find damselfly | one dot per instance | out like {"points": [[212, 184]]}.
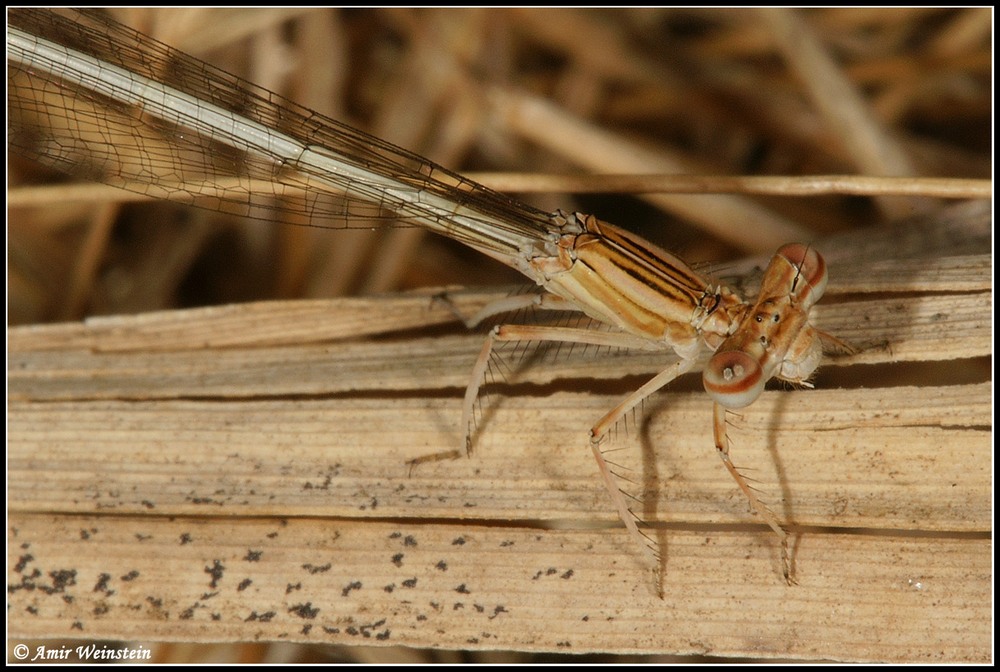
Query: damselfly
{"points": [[93, 97]]}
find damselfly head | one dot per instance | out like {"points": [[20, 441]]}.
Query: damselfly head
{"points": [[773, 337]]}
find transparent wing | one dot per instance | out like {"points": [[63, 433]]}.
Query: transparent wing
{"points": [[94, 98]]}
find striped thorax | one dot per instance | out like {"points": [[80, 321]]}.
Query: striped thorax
{"points": [[620, 279]]}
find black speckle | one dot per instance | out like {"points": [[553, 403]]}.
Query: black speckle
{"points": [[462, 589], [61, 579], [327, 479], [331, 631], [398, 559], [351, 630], [479, 608], [27, 582], [102, 584], [215, 571], [253, 556], [497, 610], [382, 636], [366, 630], [550, 571], [585, 619], [263, 618], [101, 609], [564, 644], [187, 614], [143, 537], [442, 565], [186, 539], [389, 588], [410, 583], [304, 610], [506, 544], [395, 535], [568, 574], [306, 628], [317, 569], [244, 584], [457, 606], [131, 576], [148, 504], [458, 541], [289, 587], [208, 596], [77, 625], [354, 585], [409, 541], [22, 562]]}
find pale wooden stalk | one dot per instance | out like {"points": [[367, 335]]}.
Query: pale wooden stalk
{"points": [[139, 474]]}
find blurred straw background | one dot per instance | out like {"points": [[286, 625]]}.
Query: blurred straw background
{"points": [[504, 93], [903, 92]]}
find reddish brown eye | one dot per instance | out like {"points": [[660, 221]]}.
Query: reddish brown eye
{"points": [[733, 378], [810, 281]]}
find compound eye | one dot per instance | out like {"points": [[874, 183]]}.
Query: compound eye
{"points": [[733, 379], [811, 276]]}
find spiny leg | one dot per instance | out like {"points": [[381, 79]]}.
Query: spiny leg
{"points": [[600, 430], [513, 332], [507, 304], [834, 345], [722, 444], [472, 391]]}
